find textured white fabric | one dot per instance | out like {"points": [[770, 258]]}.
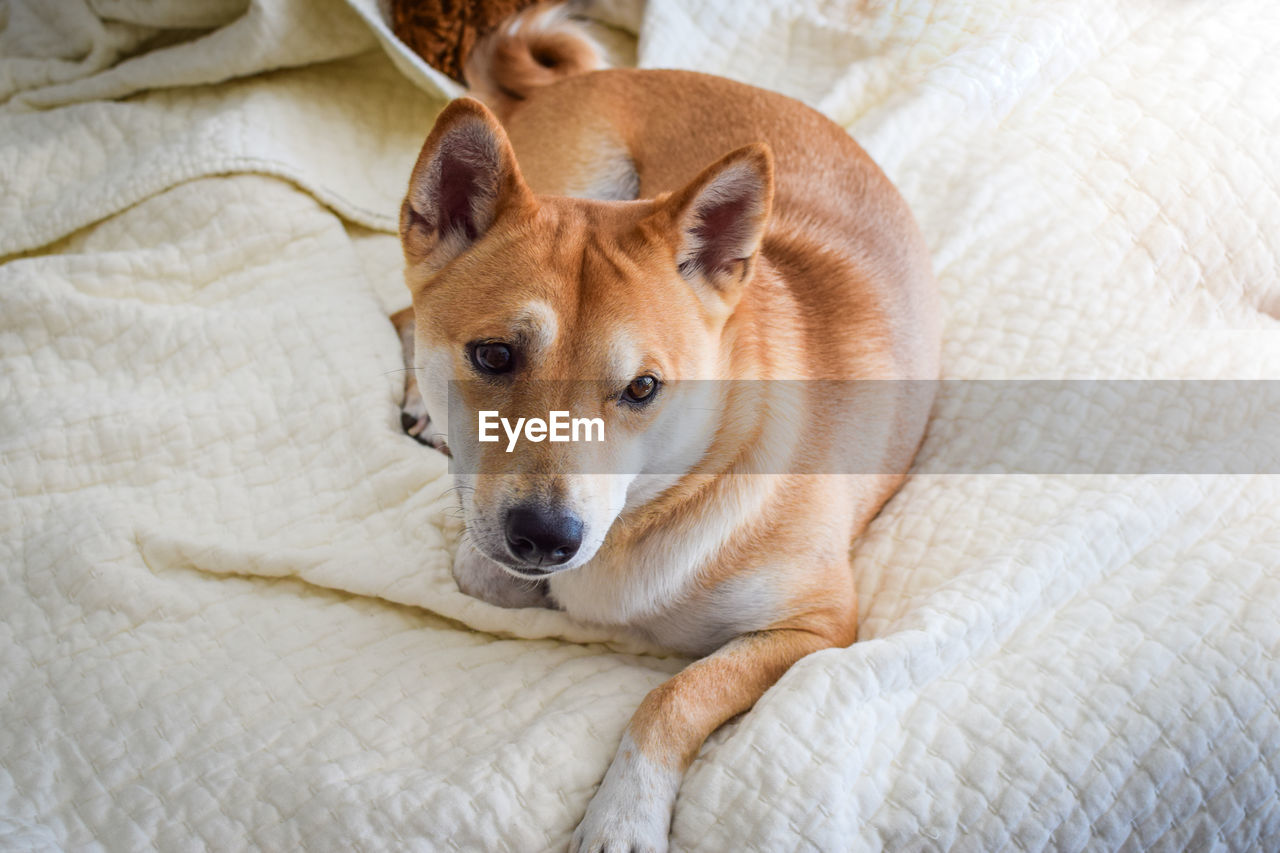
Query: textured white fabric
{"points": [[226, 618]]}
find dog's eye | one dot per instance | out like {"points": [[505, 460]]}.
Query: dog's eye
{"points": [[492, 357], [641, 389]]}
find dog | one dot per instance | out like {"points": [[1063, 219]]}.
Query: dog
{"points": [[629, 245]]}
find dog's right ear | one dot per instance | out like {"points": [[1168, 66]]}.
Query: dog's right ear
{"points": [[719, 221], [466, 178]]}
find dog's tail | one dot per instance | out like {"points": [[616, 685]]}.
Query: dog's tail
{"points": [[535, 48]]}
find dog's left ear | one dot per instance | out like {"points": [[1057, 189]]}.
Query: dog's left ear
{"points": [[466, 179], [720, 219]]}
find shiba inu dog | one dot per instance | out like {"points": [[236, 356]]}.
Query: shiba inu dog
{"points": [[641, 248]]}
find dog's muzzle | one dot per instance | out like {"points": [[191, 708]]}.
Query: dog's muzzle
{"points": [[541, 538]]}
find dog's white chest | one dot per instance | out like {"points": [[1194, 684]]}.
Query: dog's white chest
{"points": [[667, 605]]}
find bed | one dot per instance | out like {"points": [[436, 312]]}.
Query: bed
{"points": [[226, 614]]}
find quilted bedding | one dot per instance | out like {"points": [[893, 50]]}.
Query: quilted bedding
{"points": [[226, 616]]}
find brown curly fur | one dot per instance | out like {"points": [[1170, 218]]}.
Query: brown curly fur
{"points": [[443, 32]]}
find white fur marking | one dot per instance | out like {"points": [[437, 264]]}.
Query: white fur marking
{"points": [[610, 175], [482, 578], [539, 321], [632, 808], [624, 356]]}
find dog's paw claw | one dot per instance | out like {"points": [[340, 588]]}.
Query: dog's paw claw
{"points": [[420, 433], [416, 423]]}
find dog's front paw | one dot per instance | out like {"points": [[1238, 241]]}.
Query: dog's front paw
{"points": [[413, 414], [417, 422], [619, 833], [631, 813], [482, 578]]}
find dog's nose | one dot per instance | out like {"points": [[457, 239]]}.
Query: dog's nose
{"points": [[543, 537]]}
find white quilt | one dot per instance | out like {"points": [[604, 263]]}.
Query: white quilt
{"points": [[226, 615]]}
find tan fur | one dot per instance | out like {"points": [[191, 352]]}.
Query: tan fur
{"points": [[730, 561], [534, 48]]}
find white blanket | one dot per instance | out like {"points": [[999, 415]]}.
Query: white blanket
{"points": [[226, 616]]}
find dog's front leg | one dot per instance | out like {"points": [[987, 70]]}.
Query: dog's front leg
{"points": [[631, 811]]}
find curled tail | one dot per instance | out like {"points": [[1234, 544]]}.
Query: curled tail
{"points": [[535, 48]]}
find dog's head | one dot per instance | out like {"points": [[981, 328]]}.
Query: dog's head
{"points": [[526, 305]]}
